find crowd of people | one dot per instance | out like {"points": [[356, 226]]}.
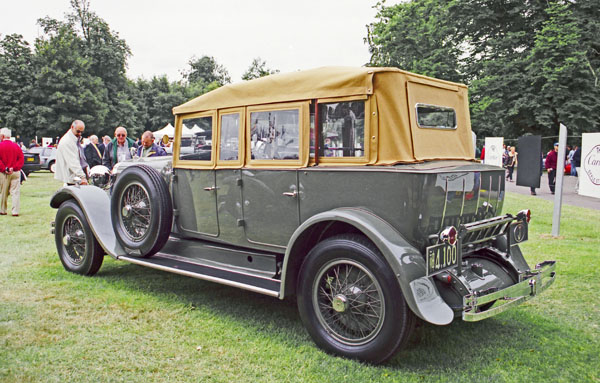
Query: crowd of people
{"points": [[74, 159]]}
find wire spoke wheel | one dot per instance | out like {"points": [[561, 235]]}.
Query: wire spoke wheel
{"points": [[78, 249], [74, 240], [348, 301], [136, 213]]}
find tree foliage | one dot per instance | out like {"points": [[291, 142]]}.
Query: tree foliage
{"points": [[258, 68], [530, 64]]}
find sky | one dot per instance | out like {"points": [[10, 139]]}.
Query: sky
{"points": [[164, 34]]}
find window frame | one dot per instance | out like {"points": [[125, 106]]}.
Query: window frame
{"points": [[193, 164], [365, 158], [418, 104], [303, 135], [231, 164]]}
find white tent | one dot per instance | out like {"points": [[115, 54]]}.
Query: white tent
{"points": [[186, 132], [197, 129], [168, 130]]}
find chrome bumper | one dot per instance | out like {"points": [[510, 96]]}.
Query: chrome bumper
{"points": [[535, 282]]}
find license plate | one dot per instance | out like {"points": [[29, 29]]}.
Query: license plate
{"points": [[441, 257], [30, 159]]}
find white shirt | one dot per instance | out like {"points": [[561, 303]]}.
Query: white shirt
{"points": [[68, 165]]}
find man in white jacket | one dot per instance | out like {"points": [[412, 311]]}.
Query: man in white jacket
{"points": [[69, 155]]}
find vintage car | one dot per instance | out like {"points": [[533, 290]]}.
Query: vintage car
{"points": [[353, 190]]}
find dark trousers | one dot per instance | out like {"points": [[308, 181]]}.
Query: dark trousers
{"points": [[552, 179], [511, 169]]}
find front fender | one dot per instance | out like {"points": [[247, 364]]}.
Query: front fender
{"points": [[95, 204], [407, 263]]}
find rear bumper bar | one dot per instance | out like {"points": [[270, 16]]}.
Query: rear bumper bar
{"points": [[534, 283]]}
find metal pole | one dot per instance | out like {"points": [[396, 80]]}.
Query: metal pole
{"points": [[560, 170]]}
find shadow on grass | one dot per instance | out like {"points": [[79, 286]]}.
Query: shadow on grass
{"points": [[519, 337]]}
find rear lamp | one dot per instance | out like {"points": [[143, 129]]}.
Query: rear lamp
{"points": [[524, 215], [449, 235]]}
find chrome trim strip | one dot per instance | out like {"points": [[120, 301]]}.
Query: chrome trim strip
{"points": [[462, 207], [201, 276], [498, 193], [445, 205]]}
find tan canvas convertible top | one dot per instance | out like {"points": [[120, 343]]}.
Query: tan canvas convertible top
{"points": [[393, 94]]}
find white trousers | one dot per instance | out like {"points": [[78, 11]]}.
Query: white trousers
{"points": [[11, 184]]}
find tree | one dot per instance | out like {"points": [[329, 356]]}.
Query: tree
{"points": [[156, 100], [16, 80], [414, 36], [258, 68], [108, 56], [65, 89], [206, 71]]}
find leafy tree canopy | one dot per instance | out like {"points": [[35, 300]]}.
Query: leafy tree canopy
{"points": [[258, 68]]}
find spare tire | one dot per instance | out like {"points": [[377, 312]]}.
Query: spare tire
{"points": [[141, 210]]}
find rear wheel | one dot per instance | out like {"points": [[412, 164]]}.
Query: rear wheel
{"points": [[350, 300], [78, 249], [141, 210]]}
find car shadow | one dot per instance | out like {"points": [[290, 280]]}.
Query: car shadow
{"points": [[432, 349]]}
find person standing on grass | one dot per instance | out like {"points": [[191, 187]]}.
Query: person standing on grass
{"points": [[551, 163], [11, 162], [70, 160], [118, 149]]}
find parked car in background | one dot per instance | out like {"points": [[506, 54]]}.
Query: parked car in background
{"points": [[47, 156], [354, 191], [31, 162]]}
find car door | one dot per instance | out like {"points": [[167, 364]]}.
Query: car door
{"points": [[194, 186], [270, 183], [270, 205]]}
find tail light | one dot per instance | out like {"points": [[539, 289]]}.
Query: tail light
{"points": [[449, 235], [524, 215]]}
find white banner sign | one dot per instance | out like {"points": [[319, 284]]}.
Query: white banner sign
{"points": [[493, 151], [589, 172], [46, 141]]}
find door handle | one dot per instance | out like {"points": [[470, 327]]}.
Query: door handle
{"points": [[291, 194], [211, 188]]}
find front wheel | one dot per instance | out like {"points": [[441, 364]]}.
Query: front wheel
{"points": [[78, 249], [52, 167], [350, 301]]}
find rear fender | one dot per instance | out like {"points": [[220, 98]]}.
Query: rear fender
{"points": [[95, 204], [407, 263]]}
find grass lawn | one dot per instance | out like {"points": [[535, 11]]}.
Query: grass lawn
{"points": [[130, 323]]}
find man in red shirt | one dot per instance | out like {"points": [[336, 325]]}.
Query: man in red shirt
{"points": [[551, 160], [11, 162]]}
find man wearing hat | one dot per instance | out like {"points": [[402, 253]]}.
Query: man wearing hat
{"points": [[551, 160]]}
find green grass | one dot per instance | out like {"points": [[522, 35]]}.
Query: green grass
{"points": [[130, 323]]}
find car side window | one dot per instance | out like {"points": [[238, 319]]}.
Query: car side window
{"points": [[275, 135], [342, 129], [229, 139], [196, 142]]}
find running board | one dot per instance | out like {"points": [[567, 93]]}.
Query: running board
{"points": [[257, 284]]}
